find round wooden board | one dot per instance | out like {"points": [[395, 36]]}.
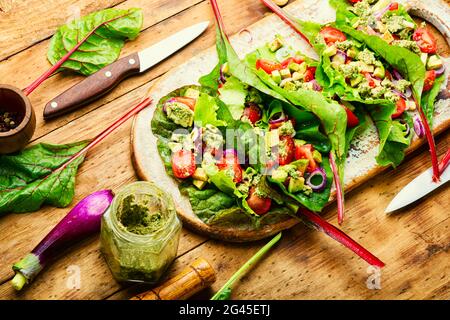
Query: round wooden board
{"points": [[360, 165]]}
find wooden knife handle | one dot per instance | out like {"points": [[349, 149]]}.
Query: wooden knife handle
{"points": [[192, 279], [93, 86]]}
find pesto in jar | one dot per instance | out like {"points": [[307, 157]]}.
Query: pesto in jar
{"points": [[140, 233]]}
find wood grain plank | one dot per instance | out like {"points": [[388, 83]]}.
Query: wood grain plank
{"points": [[308, 265], [24, 23]]}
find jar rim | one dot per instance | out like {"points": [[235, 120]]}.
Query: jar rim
{"points": [[148, 188]]}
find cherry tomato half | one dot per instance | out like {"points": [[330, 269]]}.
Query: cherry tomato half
{"points": [[310, 74], [260, 205], [430, 76], [332, 35], [231, 163], [305, 151], [425, 40], [252, 112], [286, 150], [401, 107], [352, 120], [268, 66], [183, 164]]}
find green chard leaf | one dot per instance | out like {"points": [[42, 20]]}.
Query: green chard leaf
{"points": [[32, 177], [111, 28]]}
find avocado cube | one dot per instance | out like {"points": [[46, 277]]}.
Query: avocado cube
{"points": [[226, 68], [424, 58], [317, 156], [381, 27], [285, 73], [410, 105], [200, 174], [276, 44], [272, 139], [355, 81], [293, 207], [296, 185], [192, 93], [285, 81], [330, 51], [199, 184], [434, 62], [352, 52], [380, 5], [294, 67], [301, 165], [276, 76], [366, 67], [279, 175], [299, 142], [290, 86], [379, 72]]}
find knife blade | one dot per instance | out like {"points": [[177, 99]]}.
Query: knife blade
{"points": [[416, 189], [104, 80]]}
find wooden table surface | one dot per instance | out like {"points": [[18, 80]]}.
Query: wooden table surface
{"points": [[305, 265]]}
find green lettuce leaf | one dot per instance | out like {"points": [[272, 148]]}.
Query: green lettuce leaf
{"points": [[32, 178], [113, 27], [206, 112], [233, 93]]}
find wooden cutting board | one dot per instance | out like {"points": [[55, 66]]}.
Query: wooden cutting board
{"points": [[361, 165]]}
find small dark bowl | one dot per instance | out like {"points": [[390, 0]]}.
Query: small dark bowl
{"points": [[13, 99]]}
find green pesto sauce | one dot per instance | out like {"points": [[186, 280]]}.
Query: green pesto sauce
{"points": [[140, 218]]}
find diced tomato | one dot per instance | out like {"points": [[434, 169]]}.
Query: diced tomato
{"points": [[286, 150], [252, 112], [290, 60], [393, 6], [370, 80], [231, 162], [183, 164], [268, 66], [401, 107], [305, 151], [260, 205], [425, 40], [430, 77], [332, 35], [310, 74], [354, 1], [352, 120], [190, 102]]}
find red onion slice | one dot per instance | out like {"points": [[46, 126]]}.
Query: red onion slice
{"points": [[408, 92], [397, 75], [318, 172], [316, 85], [418, 127], [400, 94], [222, 78], [440, 71], [408, 128], [164, 108]]}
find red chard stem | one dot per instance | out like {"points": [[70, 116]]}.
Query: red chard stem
{"points": [[444, 162], [431, 143], [339, 193], [36, 83], [342, 238]]}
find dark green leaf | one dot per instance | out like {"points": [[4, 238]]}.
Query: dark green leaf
{"points": [[31, 178]]}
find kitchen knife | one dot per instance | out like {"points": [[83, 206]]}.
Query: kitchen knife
{"points": [[419, 187], [110, 76]]}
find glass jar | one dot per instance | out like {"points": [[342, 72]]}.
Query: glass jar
{"points": [[140, 251]]}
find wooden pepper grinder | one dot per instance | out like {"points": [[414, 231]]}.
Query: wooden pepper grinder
{"points": [[192, 279]]}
